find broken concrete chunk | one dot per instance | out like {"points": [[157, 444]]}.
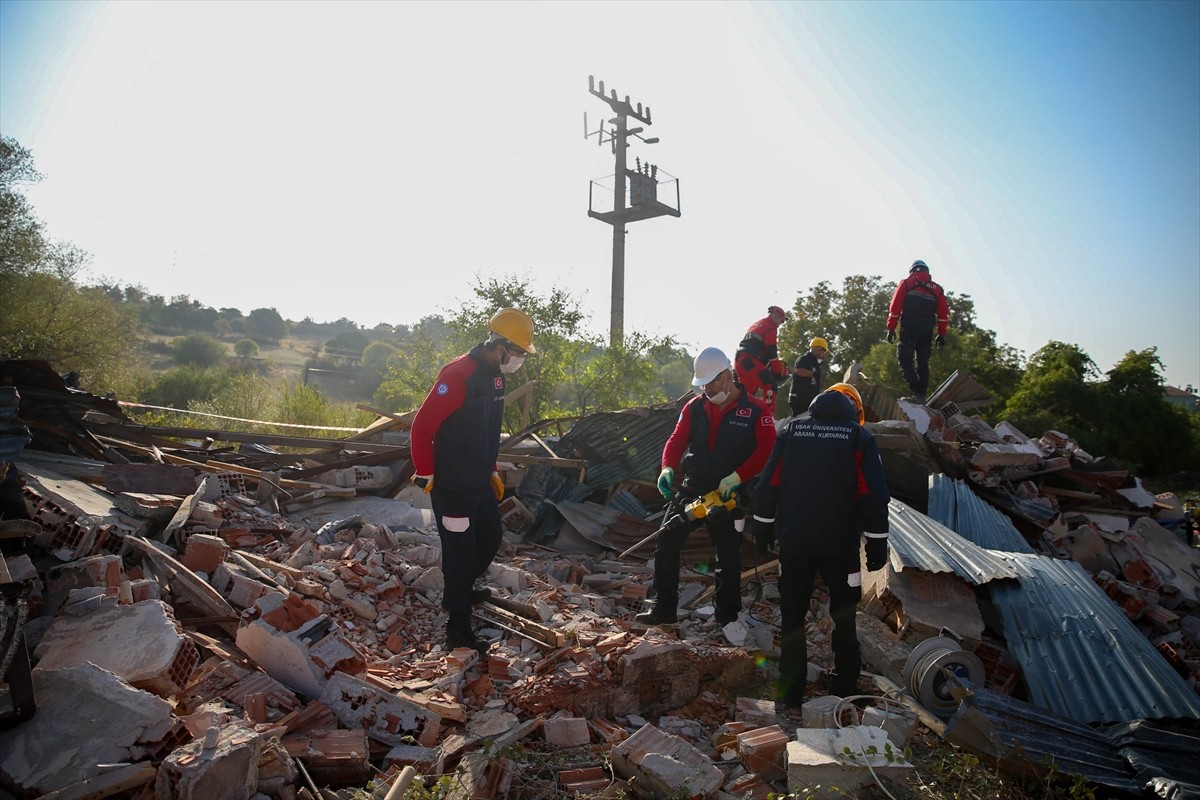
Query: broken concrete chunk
{"points": [[224, 764], [141, 643], [839, 758], [86, 716], [668, 764]]}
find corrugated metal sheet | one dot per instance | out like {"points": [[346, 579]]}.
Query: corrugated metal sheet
{"points": [[1079, 654], [961, 389], [923, 543], [631, 441], [952, 503], [1026, 733]]}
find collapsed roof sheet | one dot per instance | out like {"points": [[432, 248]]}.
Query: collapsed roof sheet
{"points": [[923, 543], [952, 503], [1080, 655]]}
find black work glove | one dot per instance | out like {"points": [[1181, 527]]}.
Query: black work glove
{"points": [[877, 553], [891, 336], [940, 341], [764, 537]]}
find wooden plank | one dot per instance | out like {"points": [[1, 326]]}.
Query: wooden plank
{"points": [[117, 431], [531, 629], [181, 515], [122, 779], [149, 479], [184, 581], [567, 463]]}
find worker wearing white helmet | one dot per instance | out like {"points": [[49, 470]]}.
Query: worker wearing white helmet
{"points": [[721, 441]]}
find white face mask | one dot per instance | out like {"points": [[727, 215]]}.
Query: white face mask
{"points": [[512, 365], [718, 398]]}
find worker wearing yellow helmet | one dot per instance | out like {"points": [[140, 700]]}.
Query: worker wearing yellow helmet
{"points": [[456, 439], [806, 376]]}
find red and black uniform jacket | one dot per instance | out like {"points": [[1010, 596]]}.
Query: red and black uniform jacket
{"points": [[456, 432], [823, 484], [917, 304], [735, 439]]}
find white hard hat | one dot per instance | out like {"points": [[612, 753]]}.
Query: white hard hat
{"points": [[709, 364]]}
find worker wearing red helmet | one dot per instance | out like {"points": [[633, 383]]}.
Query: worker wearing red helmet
{"points": [[759, 368]]}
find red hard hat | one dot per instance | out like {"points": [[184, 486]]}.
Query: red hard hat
{"points": [[776, 311]]}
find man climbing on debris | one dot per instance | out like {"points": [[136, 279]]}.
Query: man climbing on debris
{"points": [[918, 304], [455, 441], [821, 489], [806, 376], [759, 368], [727, 434]]}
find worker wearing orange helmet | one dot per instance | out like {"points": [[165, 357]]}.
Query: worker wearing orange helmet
{"points": [[822, 492], [757, 363], [806, 376], [455, 442]]}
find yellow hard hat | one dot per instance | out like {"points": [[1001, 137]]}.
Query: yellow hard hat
{"points": [[515, 325], [819, 342], [855, 397]]}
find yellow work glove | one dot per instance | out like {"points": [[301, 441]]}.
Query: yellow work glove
{"points": [[425, 482], [498, 486], [729, 484], [665, 479]]}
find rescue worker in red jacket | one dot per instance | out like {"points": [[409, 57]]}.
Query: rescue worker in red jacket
{"points": [[918, 304], [759, 368], [455, 441], [821, 489], [727, 435]]}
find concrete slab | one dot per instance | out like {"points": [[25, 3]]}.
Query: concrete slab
{"points": [[86, 716], [819, 764], [141, 643]]}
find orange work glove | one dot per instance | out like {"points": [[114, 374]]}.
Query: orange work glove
{"points": [[498, 486]]}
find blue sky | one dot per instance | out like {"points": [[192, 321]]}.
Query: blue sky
{"points": [[369, 160]]}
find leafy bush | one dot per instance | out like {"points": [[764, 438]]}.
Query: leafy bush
{"points": [[197, 349]]}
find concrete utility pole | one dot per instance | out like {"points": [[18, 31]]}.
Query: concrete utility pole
{"points": [[641, 185]]}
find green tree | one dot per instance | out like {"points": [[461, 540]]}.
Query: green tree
{"points": [[416, 363], [1057, 393], [347, 345], [1139, 425], [246, 348], [266, 325], [181, 387], [48, 313], [971, 350], [852, 320], [198, 350]]}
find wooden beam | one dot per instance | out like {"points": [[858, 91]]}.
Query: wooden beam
{"points": [[122, 779], [110, 429], [186, 582]]}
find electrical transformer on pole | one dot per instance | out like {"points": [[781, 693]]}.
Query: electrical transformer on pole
{"points": [[635, 194]]}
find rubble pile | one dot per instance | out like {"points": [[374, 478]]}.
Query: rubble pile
{"points": [[193, 613]]}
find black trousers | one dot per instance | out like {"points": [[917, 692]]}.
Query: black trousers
{"points": [[728, 544], [913, 354], [797, 574], [467, 553]]}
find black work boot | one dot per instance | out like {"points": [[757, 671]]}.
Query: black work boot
{"points": [[460, 634], [480, 594], [726, 616], [658, 615]]}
